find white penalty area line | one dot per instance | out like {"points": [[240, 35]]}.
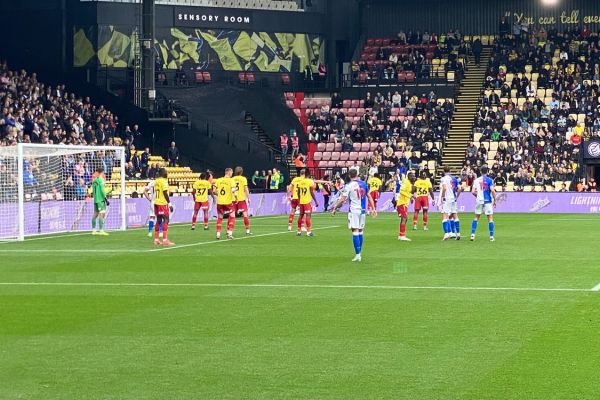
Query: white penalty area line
{"points": [[596, 288], [122, 251], [234, 240], [86, 233], [298, 286]]}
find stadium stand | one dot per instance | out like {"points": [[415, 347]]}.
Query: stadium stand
{"points": [[540, 100], [411, 56], [33, 112], [382, 131]]}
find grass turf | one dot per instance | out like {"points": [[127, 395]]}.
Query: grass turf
{"points": [[293, 318]]}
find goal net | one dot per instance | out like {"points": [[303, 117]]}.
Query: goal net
{"points": [[46, 189]]}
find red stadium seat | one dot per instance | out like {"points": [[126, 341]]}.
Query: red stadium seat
{"points": [[242, 78], [198, 77], [250, 78], [206, 76]]}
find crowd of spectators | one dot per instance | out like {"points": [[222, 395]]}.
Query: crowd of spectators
{"points": [[541, 102], [410, 52], [398, 122], [32, 112]]}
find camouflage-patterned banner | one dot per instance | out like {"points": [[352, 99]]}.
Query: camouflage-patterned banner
{"points": [[202, 49]]}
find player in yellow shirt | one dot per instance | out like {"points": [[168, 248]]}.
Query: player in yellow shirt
{"points": [[242, 196], [201, 190], [375, 185], [162, 207], [306, 194], [423, 189], [404, 198], [293, 198], [225, 190]]}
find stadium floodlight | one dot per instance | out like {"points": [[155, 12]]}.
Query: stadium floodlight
{"points": [[550, 3], [44, 189]]}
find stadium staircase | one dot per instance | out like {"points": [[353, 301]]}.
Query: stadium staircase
{"points": [[265, 139], [467, 102]]}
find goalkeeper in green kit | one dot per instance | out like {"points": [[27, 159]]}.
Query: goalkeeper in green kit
{"points": [[99, 194]]}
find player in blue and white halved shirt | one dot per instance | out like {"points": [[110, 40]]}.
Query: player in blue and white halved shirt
{"points": [[484, 191], [357, 193], [449, 191]]}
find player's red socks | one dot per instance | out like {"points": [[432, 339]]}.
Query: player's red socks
{"points": [[230, 222], [165, 231], [206, 218], [194, 217], [247, 223], [300, 218], [219, 224], [416, 218], [402, 229], [308, 224], [424, 218], [290, 218], [156, 229]]}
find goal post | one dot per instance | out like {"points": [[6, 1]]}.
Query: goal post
{"points": [[46, 189]]}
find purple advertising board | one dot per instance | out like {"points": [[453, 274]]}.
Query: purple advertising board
{"points": [[60, 216]]}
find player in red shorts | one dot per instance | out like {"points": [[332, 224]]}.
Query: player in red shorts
{"points": [[423, 189], [201, 190], [306, 195], [242, 196], [225, 189], [374, 186], [293, 198], [403, 198], [162, 207]]}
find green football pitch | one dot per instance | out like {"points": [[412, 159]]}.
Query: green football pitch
{"points": [[275, 316]]}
